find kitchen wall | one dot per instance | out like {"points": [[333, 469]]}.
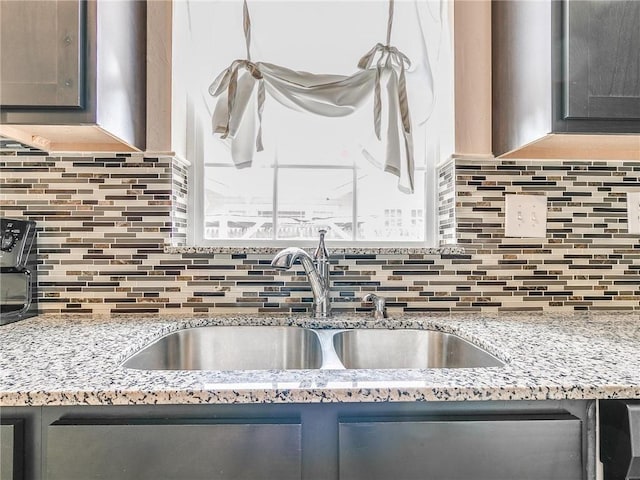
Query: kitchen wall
{"points": [[105, 221]]}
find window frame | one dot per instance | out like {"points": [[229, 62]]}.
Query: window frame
{"points": [[195, 234], [192, 149]]}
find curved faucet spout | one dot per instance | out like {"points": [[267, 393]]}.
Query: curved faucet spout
{"points": [[285, 259]]}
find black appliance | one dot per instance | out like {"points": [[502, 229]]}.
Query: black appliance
{"points": [[620, 439], [18, 274]]}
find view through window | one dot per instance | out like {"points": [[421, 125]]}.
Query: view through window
{"points": [[314, 172]]}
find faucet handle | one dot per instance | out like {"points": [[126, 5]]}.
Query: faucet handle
{"points": [[379, 304], [321, 251]]}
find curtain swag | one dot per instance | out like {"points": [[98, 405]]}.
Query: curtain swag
{"points": [[240, 93]]}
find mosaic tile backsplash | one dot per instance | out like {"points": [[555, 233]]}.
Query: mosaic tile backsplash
{"points": [[104, 223]]}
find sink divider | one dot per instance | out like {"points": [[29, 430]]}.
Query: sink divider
{"points": [[330, 359]]}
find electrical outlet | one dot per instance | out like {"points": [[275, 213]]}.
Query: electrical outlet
{"points": [[633, 213], [525, 216]]}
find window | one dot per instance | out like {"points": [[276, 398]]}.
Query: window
{"points": [[314, 172]]}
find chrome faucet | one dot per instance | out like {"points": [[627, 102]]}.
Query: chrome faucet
{"points": [[317, 270]]}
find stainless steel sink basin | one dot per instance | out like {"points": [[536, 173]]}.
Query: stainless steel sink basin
{"points": [[294, 348], [376, 348], [231, 348]]}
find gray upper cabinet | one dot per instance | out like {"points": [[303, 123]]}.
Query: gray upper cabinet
{"points": [[602, 60], [563, 66], [75, 63], [41, 55]]}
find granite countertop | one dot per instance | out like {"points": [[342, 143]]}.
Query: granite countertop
{"points": [[76, 360]]}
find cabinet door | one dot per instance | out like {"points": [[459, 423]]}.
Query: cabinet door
{"points": [[11, 450], [601, 59], [177, 450], [482, 448], [41, 53]]}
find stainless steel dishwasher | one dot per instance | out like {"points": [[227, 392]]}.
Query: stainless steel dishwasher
{"points": [[620, 439]]}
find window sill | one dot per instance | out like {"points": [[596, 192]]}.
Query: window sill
{"points": [[444, 250]]}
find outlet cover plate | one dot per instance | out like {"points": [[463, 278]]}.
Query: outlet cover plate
{"points": [[525, 216]]}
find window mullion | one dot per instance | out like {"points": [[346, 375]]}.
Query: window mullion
{"points": [[430, 179], [196, 193], [274, 215], [355, 204]]}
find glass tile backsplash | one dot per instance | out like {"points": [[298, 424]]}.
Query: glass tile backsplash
{"points": [[105, 220]]}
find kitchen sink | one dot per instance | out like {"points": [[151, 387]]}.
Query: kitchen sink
{"points": [[376, 348], [295, 348], [232, 348]]}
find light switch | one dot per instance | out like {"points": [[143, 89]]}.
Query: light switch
{"points": [[633, 213], [525, 216]]}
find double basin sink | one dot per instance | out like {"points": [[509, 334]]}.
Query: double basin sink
{"points": [[295, 348]]}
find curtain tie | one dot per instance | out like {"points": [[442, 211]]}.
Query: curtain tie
{"points": [[228, 80], [385, 57]]}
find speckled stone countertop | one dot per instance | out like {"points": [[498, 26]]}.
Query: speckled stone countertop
{"points": [[77, 361]]}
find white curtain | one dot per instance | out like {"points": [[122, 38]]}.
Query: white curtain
{"points": [[401, 88]]}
